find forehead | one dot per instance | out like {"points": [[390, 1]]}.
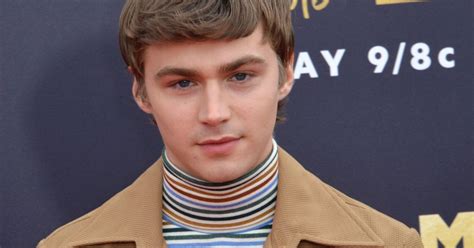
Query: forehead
{"points": [[206, 53]]}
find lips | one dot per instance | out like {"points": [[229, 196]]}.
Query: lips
{"points": [[219, 146], [217, 141]]}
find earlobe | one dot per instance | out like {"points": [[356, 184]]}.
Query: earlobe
{"points": [[139, 97]]}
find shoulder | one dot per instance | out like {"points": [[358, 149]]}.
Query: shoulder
{"points": [[332, 209], [391, 231], [122, 208], [64, 233]]}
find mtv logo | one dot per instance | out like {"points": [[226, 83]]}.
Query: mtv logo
{"points": [[434, 230]]}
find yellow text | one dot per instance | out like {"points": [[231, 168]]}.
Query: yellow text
{"points": [[433, 228], [319, 5], [315, 4], [385, 2]]}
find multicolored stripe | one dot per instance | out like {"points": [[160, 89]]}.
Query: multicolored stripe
{"points": [[240, 213], [177, 236]]}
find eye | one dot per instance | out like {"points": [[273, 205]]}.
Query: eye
{"points": [[183, 84], [240, 76]]}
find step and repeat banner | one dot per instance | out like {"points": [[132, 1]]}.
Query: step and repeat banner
{"points": [[381, 109]]}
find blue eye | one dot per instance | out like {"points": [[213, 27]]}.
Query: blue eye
{"points": [[240, 76], [183, 84]]}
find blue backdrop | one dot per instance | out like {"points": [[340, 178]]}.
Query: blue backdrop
{"points": [[382, 110]]}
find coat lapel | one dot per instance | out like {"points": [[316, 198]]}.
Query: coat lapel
{"points": [[307, 210]]}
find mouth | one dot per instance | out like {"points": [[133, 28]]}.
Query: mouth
{"points": [[219, 146]]}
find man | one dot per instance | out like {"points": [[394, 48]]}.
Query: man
{"points": [[214, 76]]}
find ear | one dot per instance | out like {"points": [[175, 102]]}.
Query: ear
{"points": [[287, 83], [139, 97]]}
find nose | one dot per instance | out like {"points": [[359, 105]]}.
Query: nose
{"points": [[214, 108]]}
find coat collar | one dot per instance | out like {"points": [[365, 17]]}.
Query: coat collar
{"points": [[307, 211]]}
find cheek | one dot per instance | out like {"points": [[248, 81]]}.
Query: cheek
{"points": [[261, 110], [173, 120], [174, 132]]}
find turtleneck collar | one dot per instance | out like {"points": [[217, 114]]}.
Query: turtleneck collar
{"points": [[243, 204]]}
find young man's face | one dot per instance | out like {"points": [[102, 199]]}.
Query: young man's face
{"points": [[214, 102]]}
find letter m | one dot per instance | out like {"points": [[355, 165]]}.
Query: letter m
{"points": [[433, 228]]}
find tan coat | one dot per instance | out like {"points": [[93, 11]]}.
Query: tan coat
{"points": [[309, 213]]}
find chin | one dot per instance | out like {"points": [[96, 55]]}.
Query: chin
{"points": [[221, 176]]}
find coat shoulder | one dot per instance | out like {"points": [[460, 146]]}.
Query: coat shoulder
{"points": [[66, 233], [62, 234], [391, 231]]}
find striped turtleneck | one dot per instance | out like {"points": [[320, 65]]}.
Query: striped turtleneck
{"points": [[240, 212]]}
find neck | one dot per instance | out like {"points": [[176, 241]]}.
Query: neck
{"points": [[245, 203]]}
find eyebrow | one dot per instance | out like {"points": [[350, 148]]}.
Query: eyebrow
{"points": [[246, 60], [229, 67]]}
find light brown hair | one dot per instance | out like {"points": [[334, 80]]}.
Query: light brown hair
{"points": [[144, 22]]}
